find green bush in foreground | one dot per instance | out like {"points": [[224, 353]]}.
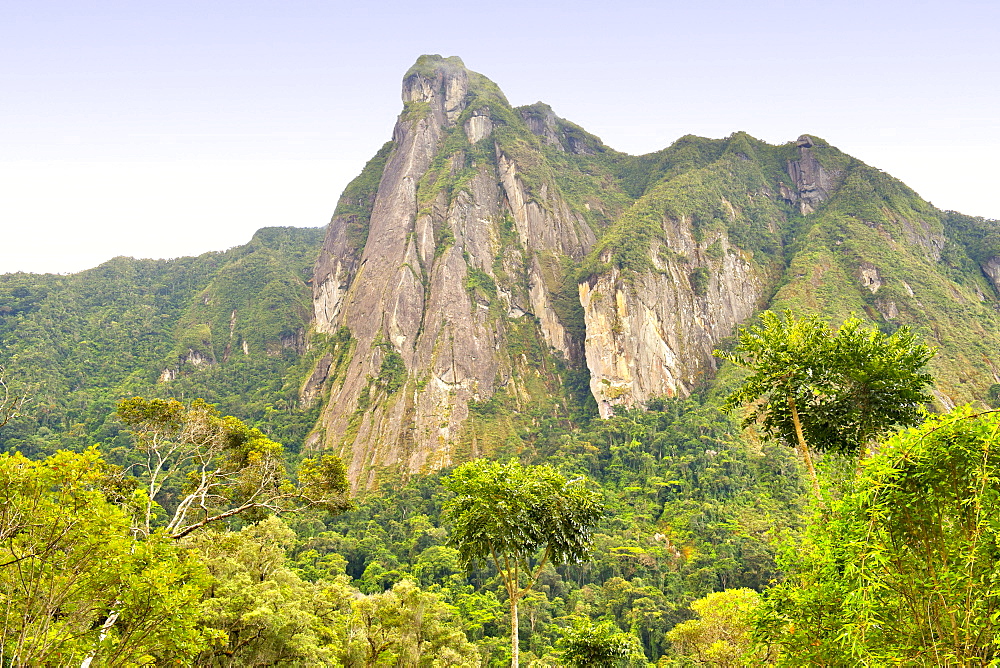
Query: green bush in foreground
{"points": [[905, 568]]}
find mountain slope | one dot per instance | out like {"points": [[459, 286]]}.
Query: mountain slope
{"points": [[466, 269], [229, 327], [497, 272], [482, 233]]}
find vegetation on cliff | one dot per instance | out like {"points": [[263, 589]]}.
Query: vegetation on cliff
{"points": [[228, 327]]}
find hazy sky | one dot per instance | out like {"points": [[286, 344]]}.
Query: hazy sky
{"points": [[158, 129]]}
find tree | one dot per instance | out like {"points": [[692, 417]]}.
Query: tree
{"points": [[67, 557], [200, 467], [406, 626], [260, 610], [506, 514], [204, 467], [835, 391], [903, 570], [720, 636], [585, 644]]}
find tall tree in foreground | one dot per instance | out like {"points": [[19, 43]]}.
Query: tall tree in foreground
{"points": [[67, 558], [904, 570], [829, 390], [519, 519], [198, 467]]}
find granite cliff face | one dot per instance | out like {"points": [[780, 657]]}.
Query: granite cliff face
{"points": [[489, 258], [654, 336], [812, 183], [459, 252], [991, 268]]}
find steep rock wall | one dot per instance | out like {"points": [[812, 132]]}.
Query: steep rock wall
{"points": [[992, 270], [450, 258], [654, 335], [463, 265]]}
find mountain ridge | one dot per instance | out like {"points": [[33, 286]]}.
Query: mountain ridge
{"points": [[670, 252], [494, 269]]}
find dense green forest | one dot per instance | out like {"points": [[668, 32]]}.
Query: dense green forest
{"points": [[708, 550], [226, 327], [689, 509]]}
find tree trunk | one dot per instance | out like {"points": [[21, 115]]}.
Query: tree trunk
{"points": [[108, 623], [803, 447], [514, 639]]}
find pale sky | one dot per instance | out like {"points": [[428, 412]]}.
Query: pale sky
{"points": [[159, 129]]}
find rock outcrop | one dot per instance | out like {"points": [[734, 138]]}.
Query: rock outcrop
{"points": [[653, 335], [813, 184], [454, 252], [992, 270], [486, 254]]}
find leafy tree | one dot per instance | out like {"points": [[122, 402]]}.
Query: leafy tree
{"points": [[720, 636], [505, 513], [260, 610], [586, 644], [67, 558], [836, 391], [204, 467], [903, 570], [406, 626]]}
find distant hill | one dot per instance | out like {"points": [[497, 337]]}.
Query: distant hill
{"points": [[229, 327]]}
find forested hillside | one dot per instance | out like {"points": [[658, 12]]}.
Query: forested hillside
{"points": [[764, 374], [228, 327]]}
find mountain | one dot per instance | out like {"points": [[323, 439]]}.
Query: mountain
{"points": [[488, 258], [230, 327], [495, 273]]}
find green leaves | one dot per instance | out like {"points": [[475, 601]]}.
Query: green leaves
{"points": [[505, 513], [68, 563], [205, 467], [849, 387], [502, 509], [903, 570], [721, 634], [586, 644]]}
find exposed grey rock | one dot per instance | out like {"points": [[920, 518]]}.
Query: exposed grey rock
{"points": [[922, 234], [445, 89], [541, 120], [479, 126], [313, 387], [869, 277], [813, 183], [992, 270], [407, 292], [335, 269], [887, 307], [655, 336]]}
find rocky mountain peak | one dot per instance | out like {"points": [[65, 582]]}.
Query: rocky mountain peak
{"points": [[490, 261], [443, 83], [813, 183], [455, 251]]}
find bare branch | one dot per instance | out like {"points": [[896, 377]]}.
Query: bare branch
{"points": [[11, 402]]}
